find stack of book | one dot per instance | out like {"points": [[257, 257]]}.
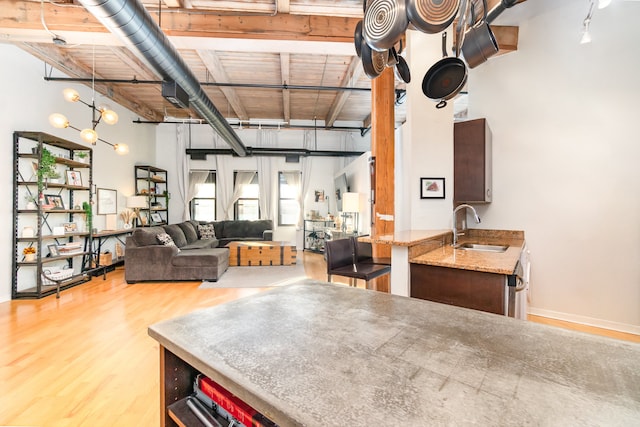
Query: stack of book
{"points": [[69, 248], [228, 406]]}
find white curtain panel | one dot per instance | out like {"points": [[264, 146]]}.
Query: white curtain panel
{"points": [[182, 166], [308, 144], [266, 174], [195, 178], [224, 182], [242, 179]]}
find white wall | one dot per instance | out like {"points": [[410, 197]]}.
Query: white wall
{"points": [[427, 141], [27, 102], [359, 180], [565, 157]]}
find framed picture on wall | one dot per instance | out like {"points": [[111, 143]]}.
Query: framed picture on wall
{"points": [[107, 201], [432, 188]]}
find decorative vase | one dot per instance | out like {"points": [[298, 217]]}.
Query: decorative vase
{"points": [[30, 257]]}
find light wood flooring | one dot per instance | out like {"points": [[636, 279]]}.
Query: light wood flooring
{"points": [[86, 359]]}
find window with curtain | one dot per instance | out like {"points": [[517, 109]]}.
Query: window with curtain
{"points": [[247, 206], [203, 204], [288, 204]]}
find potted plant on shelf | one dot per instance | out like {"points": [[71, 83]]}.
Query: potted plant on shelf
{"points": [[46, 168], [88, 215], [81, 156], [31, 201], [29, 253]]}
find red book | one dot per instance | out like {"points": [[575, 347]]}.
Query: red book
{"points": [[232, 404]]}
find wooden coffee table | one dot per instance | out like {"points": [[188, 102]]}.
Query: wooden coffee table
{"points": [[261, 253]]}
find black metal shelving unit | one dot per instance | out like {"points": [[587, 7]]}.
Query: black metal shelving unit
{"points": [[33, 279], [151, 182]]}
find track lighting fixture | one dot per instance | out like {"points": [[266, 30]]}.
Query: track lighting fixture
{"points": [[586, 36]]}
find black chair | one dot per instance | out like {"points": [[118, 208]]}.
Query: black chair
{"points": [[342, 261], [364, 253]]}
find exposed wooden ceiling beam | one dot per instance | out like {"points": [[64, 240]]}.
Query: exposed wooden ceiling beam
{"points": [[59, 59], [217, 71], [283, 6], [173, 3], [506, 37], [285, 79], [25, 15], [142, 72], [352, 75]]}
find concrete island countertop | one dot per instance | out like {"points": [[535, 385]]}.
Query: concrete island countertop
{"points": [[319, 354]]}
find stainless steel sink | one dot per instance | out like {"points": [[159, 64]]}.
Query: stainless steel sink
{"points": [[479, 247]]}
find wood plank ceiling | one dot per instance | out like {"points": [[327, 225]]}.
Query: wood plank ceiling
{"points": [[306, 45], [270, 61]]}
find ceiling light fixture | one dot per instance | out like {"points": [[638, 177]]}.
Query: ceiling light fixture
{"points": [[59, 121], [603, 3], [57, 40], [89, 135], [100, 113], [586, 36]]}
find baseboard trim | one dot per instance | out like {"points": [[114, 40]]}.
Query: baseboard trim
{"points": [[585, 320]]}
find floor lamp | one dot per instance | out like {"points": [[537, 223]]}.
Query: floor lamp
{"points": [[136, 203], [350, 208]]}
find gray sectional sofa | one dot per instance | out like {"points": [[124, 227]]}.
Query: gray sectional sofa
{"points": [[190, 257]]}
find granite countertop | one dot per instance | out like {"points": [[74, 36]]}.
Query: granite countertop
{"points": [[407, 237], [489, 262], [320, 354]]}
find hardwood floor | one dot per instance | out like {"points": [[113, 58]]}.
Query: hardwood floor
{"points": [[86, 359]]}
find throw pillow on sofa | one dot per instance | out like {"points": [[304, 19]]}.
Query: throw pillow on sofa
{"points": [[206, 231], [166, 240]]}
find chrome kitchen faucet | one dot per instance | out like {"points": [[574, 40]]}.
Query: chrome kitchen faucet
{"points": [[455, 226]]}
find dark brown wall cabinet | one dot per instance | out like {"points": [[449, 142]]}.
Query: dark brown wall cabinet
{"points": [[472, 162]]}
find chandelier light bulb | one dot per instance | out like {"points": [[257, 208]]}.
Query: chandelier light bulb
{"points": [[71, 95], [89, 135], [121, 149], [58, 121], [110, 117]]}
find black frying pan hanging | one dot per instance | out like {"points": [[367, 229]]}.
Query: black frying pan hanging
{"points": [[445, 78], [357, 38]]}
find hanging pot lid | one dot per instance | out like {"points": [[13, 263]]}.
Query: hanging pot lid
{"points": [[432, 16], [385, 22]]}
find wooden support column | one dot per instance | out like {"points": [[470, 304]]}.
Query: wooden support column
{"points": [[382, 152]]}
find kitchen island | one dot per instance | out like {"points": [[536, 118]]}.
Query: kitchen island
{"points": [[320, 354]]}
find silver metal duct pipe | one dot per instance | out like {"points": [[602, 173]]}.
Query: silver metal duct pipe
{"points": [[129, 20]]}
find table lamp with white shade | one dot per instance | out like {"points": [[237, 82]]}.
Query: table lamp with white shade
{"points": [[136, 203], [350, 208]]}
